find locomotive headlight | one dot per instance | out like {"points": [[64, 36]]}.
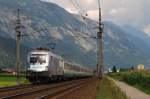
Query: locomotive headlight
{"points": [[46, 68], [28, 68]]}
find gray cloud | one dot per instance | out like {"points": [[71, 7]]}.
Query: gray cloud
{"points": [[131, 12]]}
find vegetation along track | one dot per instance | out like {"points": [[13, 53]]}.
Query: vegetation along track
{"points": [[43, 91]]}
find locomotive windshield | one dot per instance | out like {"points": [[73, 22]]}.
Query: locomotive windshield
{"points": [[38, 58]]}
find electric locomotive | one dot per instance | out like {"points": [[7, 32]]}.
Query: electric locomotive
{"points": [[46, 66]]}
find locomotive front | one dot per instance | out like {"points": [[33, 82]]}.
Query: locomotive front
{"points": [[38, 61]]}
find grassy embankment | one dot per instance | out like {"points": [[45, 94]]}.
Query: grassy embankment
{"points": [[137, 79], [108, 90], [10, 80]]}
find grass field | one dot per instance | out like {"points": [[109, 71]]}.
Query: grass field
{"points": [[137, 79], [10, 80], [108, 90]]}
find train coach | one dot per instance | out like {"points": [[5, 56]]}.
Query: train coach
{"points": [[43, 65]]}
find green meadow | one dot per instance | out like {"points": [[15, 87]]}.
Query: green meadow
{"points": [[108, 90], [11, 80]]}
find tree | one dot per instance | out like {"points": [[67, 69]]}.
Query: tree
{"points": [[0, 70], [114, 69], [132, 68]]}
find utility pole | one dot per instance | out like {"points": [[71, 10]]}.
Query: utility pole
{"points": [[100, 46], [18, 36]]}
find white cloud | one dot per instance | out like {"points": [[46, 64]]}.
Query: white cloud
{"points": [[85, 44], [113, 11], [71, 10], [147, 30], [56, 35], [89, 1], [93, 14], [133, 12]]}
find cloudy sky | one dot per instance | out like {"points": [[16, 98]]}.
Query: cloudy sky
{"points": [[131, 12]]}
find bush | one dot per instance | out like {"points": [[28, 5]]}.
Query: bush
{"points": [[138, 78]]}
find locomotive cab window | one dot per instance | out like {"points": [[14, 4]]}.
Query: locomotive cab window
{"points": [[38, 58], [33, 60]]}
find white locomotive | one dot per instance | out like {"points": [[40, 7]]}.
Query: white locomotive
{"points": [[45, 66]]}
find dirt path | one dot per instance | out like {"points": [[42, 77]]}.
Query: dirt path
{"points": [[88, 92], [132, 92]]}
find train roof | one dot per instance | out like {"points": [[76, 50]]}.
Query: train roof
{"points": [[76, 64], [44, 51], [41, 49]]}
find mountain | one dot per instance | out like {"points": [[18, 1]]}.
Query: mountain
{"points": [[7, 53], [59, 26], [138, 38], [122, 46]]}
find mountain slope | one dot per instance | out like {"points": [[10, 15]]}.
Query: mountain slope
{"points": [[8, 53], [59, 26], [122, 47]]}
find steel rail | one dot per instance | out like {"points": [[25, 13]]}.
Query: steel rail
{"points": [[15, 87], [64, 91], [32, 92]]}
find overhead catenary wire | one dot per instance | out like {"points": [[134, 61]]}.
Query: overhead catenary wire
{"points": [[79, 35], [73, 30], [82, 10], [73, 3], [77, 6]]}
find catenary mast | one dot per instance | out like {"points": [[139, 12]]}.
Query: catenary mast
{"points": [[18, 35], [100, 46]]}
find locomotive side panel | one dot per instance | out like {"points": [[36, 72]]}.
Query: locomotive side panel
{"points": [[55, 66], [73, 70]]}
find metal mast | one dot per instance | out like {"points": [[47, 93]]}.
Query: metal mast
{"points": [[18, 35], [100, 46]]}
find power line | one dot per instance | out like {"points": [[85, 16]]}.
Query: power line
{"points": [[76, 7], [76, 30], [79, 8], [78, 36]]}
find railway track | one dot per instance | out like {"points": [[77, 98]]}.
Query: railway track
{"points": [[15, 87], [44, 91]]}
